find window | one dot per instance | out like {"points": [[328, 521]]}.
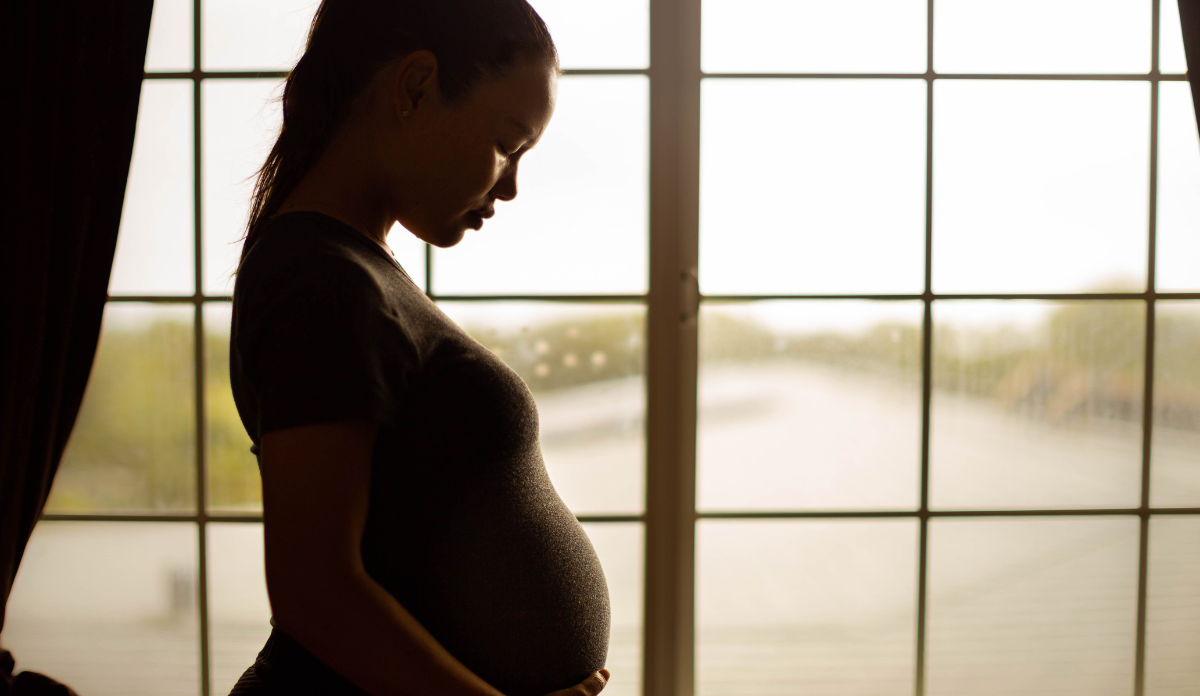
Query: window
{"points": [[863, 335], [942, 260]]}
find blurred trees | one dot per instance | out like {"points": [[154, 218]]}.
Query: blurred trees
{"points": [[885, 347], [1177, 367], [565, 353], [133, 448], [233, 479], [1086, 360]]}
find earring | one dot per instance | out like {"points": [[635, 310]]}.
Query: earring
{"points": [[405, 114]]}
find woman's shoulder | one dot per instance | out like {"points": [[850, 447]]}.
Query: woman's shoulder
{"points": [[306, 248], [308, 236]]}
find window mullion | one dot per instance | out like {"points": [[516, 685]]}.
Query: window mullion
{"points": [[668, 664], [199, 355], [1139, 669], [919, 676]]}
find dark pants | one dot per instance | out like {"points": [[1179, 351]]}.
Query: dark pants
{"points": [[285, 668]]}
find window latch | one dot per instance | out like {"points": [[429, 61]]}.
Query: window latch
{"points": [[689, 296]]}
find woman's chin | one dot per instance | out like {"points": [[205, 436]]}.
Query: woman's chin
{"points": [[451, 237], [445, 237]]}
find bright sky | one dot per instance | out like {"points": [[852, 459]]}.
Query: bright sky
{"points": [[806, 186]]}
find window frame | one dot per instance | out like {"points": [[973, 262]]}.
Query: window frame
{"points": [[670, 515]]}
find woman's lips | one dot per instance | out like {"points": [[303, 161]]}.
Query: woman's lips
{"points": [[475, 218]]}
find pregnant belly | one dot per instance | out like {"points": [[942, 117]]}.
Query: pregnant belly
{"points": [[509, 585]]}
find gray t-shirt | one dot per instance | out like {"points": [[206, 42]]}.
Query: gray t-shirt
{"points": [[464, 528]]}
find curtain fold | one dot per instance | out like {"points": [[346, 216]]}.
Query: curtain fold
{"points": [[1189, 19], [70, 81]]}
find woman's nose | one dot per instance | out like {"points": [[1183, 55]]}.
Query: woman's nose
{"points": [[506, 188]]}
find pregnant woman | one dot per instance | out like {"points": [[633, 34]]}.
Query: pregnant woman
{"points": [[414, 543]]}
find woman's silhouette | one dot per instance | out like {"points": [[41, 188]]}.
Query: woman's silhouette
{"points": [[414, 543]]}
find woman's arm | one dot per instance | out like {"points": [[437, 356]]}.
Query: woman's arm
{"points": [[315, 487], [315, 493]]}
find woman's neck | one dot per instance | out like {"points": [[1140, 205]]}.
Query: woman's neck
{"points": [[339, 185]]}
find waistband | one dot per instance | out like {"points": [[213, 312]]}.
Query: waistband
{"points": [[287, 666]]}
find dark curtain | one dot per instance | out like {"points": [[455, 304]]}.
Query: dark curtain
{"points": [[70, 80], [1189, 17]]}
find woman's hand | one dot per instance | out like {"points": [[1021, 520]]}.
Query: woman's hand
{"points": [[588, 687]]}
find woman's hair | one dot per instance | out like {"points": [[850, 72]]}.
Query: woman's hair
{"points": [[473, 40]]}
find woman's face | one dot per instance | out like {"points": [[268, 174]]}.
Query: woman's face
{"points": [[448, 164]]}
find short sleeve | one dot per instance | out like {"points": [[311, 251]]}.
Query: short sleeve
{"points": [[317, 344]]}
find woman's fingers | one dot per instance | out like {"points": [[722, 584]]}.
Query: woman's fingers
{"points": [[594, 684], [588, 687]]}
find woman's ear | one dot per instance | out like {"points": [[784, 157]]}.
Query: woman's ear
{"points": [[415, 80]]}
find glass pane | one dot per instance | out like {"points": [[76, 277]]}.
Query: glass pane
{"points": [[239, 615], [170, 46], [583, 364], [810, 405], [108, 608], [1037, 405], [1040, 186], [611, 34], [580, 223], [1173, 607], [241, 120], [1175, 450], [620, 548], [133, 448], [156, 249], [816, 36], [1178, 234], [410, 252], [1042, 36], [785, 165], [260, 35], [787, 607], [1041, 605], [234, 484], [1171, 58]]}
